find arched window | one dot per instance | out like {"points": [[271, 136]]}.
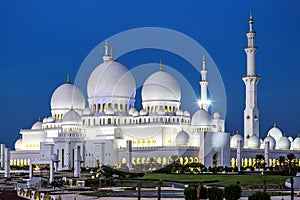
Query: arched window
{"points": [[109, 121], [104, 107], [109, 105], [94, 108], [99, 107], [116, 108], [121, 107]]}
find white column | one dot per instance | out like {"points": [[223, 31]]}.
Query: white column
{"points": [[239, 154], [7, 163], [2, 155], [67, 156], [77, 161], [30, 171], [102, 158], [51, 178], [129, 149], [267, 153]]}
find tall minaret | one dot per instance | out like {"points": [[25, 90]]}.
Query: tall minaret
{"points": [[204, 102], [251, 113]]}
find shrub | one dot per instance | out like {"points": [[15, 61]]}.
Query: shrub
{"points": [[232, 192], [260, 196], [215, 193], [190, 193]]}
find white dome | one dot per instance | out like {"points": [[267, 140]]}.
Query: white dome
{"points": [[131, 110], [45, 120], [284, 143], [19, 145], [87, 112], [296, 144], [182, 138], [135, 114], [37, 126], [50, 120], [111, 79], [161, 86], [109, 111], [253, 142], [275, 133], [186, 113], [67, 96], [234, 139], [143, 112], [217, 115], [201, 118], [271, 141], [71, 117], [179, 112]]}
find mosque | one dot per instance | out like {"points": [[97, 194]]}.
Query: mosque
{"points": [[109, 130]]}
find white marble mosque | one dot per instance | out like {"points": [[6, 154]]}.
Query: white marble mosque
{"points": [[109, 130]]}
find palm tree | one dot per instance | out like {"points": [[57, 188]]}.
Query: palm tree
{"points": [[281, 160], [259, 161], [290, 158]]}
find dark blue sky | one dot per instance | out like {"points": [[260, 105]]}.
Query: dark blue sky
{"points": [[41, 41]]}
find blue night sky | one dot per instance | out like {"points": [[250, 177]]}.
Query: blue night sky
{"points": [[40, 42]]}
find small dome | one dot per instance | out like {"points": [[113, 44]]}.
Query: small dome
{"points": [[161, 86], [54, 157], [131, 111], [201, 118], [284, 143], [71, 117], [182, 138], [45, 120], [19, 145], [179, 112], [109, 111], [161, 111], [87, 112], [37, 126], [143, 112], [275, 133], [271, 140], [50, 120], [135, 114], [186, 113], [253, 142], [217, 115], [234, 140], [296, 144], [67, 96]]}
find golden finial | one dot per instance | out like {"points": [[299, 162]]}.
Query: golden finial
{"points": [[160, 65], [275, 124], [250, 19], [39, 119], [106, 44], [68, 78], [203, 60]]}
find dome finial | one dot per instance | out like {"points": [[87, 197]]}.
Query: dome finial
{"points": [[39, 119], [68, 78], [251, 20], [160, 65], [203, 61], [275, 124], [106, 47]]}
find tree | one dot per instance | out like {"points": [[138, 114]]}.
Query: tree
{"points": [[215, 193], [281, 160], [290, 159], [232, 192], [259, 161]]}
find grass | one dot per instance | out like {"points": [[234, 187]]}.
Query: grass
{"points": [[224, 180]]}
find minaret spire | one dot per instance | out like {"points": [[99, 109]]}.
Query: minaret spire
{"points": [[251, 79], [68, 78], [204, 102], [160, 65], [106, 57]]}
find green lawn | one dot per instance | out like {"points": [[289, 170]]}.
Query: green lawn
{"points": [[245, 180]]}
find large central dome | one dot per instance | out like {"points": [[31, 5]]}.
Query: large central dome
{"points": [[111, 83]]}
